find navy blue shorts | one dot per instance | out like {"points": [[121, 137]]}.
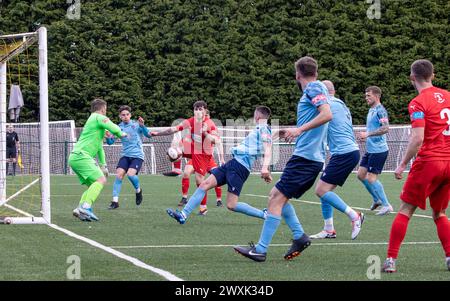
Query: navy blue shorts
{"points": [[340, 167], [127, 162], [232, 173], [374, 162], [298, 176]]}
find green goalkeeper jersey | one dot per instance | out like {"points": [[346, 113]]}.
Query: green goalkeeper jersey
{"points": [[91, 138]]}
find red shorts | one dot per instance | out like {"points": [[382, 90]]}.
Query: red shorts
{"points": [[428, 179], [205, 164]]}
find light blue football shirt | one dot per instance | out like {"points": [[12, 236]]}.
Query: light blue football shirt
{"points": [[341, 139], [311, 144], [132, 143], [375, 119], [252, 147]]}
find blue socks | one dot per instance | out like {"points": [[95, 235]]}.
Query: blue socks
{"points": [[117, 187], [135, 181], [327, 209], [334, 200], [194, 202], [271, 225], [379, 191], [269, 228], [248, 210], [369, 188], [289, 215]]}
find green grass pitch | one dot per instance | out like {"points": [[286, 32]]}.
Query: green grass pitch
{"points": [[202, 248]]}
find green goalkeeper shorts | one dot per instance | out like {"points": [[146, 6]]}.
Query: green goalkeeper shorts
{"points": [[85, 167]]}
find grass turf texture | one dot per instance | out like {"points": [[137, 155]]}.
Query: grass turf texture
{"points": [[40, 253]]}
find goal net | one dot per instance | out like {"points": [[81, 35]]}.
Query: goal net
{"points": [[156, 161], [24, 156]]}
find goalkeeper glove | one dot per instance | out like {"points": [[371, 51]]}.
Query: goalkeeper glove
{"points": [[105, 171]]}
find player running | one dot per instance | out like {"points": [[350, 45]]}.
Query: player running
{"points": [[429, 176], [302, 169], [377, 150], [81, 159], [236, 171], [132, 156], [344, 158]]}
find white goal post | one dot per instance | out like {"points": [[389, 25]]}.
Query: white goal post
{"points": [[21, 43]]}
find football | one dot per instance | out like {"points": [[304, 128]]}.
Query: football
{"points": [[173, 154]]}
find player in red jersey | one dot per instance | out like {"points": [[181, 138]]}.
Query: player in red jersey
{"points": [[203, 133], [189, 170], [430, 173]]}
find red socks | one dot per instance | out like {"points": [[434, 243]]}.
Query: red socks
{"points": [[185, 186], [398, 232], [443, 230], [218, 192]]}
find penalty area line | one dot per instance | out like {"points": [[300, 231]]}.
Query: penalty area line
{"points": [[167, 275]]}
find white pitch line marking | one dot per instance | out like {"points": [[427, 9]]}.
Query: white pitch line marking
{"points": [[276, 245], [317, 203], [167, 275]]}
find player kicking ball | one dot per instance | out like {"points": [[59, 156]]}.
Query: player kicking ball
{"points": [[236, 171], [81, 159], [203, 133], [344, 158], [132, 154]]}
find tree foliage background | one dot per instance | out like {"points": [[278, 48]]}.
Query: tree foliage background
{"points": [[160, 56]]}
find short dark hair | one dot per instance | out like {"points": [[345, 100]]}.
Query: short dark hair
{"points": [[124, 108], [375, 90], [263, 110], [97, 104], [422, 69], [307, 66], [200, 103]]}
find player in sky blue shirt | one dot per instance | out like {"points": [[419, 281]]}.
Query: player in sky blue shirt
{"points": [[377, 150], [236, 171], [302, 169], [344, 158], [132, 156], [252, 147]]}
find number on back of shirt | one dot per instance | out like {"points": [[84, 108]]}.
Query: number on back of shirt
{"points": [[445, 114]]}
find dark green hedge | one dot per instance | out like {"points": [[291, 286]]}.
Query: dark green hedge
{"points": [[160, 56]]}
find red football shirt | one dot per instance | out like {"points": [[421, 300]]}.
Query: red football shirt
{"points": [[198, 132], [431, 110]]}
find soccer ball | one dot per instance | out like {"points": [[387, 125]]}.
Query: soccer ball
{"points": [[173, 154], [7, 220]]}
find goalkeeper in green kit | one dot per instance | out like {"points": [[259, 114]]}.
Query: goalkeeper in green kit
{"points": [[81, 159]]}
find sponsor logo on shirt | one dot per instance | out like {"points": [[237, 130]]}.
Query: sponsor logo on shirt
{"points": [[417, 115]]}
